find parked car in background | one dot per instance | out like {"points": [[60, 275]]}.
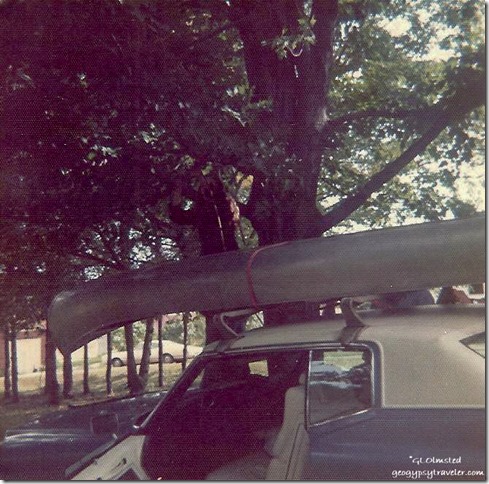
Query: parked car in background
{"points": [[43, 448], [172, 352]]}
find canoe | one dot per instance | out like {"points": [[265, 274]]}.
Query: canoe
{"points": [[427, 255]]}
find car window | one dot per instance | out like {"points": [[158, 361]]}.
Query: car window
{"points": [[276, 368], [476, 343], [339, 383], [259, 367]]}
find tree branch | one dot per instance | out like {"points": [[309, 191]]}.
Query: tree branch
{"points": [[465, 99], [117, 262], [95, 258], [428, 111], [204, 38], [334, 187], [355, 200]]}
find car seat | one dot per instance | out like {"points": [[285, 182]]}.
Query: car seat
{"points": [[284, 455]]}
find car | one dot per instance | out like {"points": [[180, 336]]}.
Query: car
{"points": [[59, 439], [401, 394], [172, 352], [355, 394]]}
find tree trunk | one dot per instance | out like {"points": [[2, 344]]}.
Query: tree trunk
{"points": [[297, 83], [185, 319], [86, 386], [213, 216], [108, 370], [134, 383], [52, 386], [67, 377], [211, 332], [144, 364], [14, 367], [7, 385], [214, 219], [299, 312], [161, 375]]}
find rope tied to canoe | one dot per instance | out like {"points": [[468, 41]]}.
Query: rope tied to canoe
{"points": [[249, 275]]}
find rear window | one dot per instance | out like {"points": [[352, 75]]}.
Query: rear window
{"points": [[339, 383], [476, 343]]}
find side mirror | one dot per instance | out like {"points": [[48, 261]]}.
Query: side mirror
{"points": [[107, 423]]}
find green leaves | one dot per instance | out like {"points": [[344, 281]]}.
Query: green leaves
{"points": [[294, 41], [103, 122]]}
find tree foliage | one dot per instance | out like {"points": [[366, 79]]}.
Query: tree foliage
{"points": [[133, 131]]}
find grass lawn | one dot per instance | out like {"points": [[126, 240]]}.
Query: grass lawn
{"points": [[33, 402]]}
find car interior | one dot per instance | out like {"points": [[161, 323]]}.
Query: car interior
{"points": [[238, 418]]}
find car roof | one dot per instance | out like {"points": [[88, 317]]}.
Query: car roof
{"points": [[387, 326], [421, 359]]}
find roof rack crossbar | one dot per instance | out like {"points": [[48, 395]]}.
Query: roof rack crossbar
{"points": [[352, 318], [354, 323], [222, 322]]}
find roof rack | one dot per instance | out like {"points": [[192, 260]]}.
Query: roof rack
{"points": [[354, 323], [223, 320]]}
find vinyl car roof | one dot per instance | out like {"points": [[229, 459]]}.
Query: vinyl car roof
{"points": [[423, 321], [422, 361]]}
